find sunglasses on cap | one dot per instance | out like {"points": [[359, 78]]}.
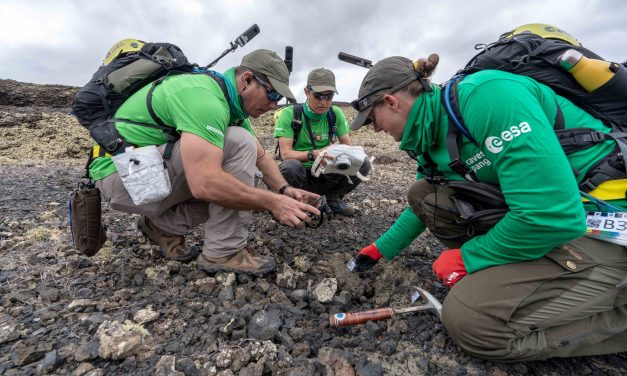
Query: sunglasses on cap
{"points": [[271, 94], [365, 102], [322, 97]]}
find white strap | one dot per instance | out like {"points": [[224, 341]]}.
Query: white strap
{"points": [[364, 178], [317, 168]]}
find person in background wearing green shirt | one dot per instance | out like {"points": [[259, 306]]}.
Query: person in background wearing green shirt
{"points": [[299, 151], [212, 165], [533, 286]]}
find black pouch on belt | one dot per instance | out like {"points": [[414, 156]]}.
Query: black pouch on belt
{"points": [[480, 205], [88, 233]]}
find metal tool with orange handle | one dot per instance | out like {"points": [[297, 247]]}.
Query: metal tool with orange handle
{"points": [[352, 318]]}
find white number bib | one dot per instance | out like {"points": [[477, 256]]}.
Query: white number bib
{"points": [[611, 227]]}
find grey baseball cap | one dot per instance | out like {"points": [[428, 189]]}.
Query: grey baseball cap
{"points": [[270, 64], [321, 80], [386, 76]]}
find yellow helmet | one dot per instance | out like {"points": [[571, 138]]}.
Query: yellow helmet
{"points": [[545, 31], [121, 48]]}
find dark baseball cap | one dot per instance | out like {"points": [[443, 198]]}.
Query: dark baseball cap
{"points": [[386, 76], [272, 66], [320, 80]]}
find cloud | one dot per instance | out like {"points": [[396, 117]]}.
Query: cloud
{"points": [[63, 42]]}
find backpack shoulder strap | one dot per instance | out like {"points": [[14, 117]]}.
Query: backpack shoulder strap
{"points": [[170, 131], [151, 110], [331, 123], [297, 121], [450, 100], [220, 80], [456, 128], [428, 168], [312, 137], [571, 140]]}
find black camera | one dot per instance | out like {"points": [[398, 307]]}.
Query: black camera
{"points": [[316, 220]]}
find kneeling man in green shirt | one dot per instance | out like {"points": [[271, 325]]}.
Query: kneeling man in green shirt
{"points": [[211, 166], [319, 124]]}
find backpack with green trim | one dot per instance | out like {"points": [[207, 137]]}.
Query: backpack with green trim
{"points": [[125, 72], [297, 125]]}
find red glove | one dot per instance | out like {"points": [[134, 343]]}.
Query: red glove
{"points": [[367, 258], [449, 267]]}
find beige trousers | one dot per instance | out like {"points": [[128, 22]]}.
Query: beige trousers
{"points": [[226, 230]]}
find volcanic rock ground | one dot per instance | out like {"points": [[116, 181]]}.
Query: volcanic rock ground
{"points": [[127, 311]]}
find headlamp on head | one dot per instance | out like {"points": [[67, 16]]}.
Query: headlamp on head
{"points": [[390, 74], [366, 100]]}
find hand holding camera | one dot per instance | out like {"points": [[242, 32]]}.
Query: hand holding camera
{"points": [[321, 204], [291, 207]]}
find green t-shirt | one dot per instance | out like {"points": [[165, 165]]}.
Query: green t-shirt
{"points": [[319, 126], [511, 117], [191, 103]]}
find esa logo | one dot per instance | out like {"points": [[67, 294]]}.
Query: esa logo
{"points": [[495, 144]]}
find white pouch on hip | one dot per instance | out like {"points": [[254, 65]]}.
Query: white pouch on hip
{"points": [[143, 174], [348, 161]]}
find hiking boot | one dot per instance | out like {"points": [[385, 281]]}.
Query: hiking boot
{"points": [[338, 206], [240, 262], [172, 246]]}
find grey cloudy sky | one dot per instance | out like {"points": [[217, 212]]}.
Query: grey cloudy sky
{"points": [[64, 41]]}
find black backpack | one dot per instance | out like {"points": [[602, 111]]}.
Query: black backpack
{"points": [[531, 55], [297, 125], [96, 103]]}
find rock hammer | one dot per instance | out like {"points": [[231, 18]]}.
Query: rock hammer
{"points": [[352, 318]]}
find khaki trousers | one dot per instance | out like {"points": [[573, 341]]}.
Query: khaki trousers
{"points": [[563, 304], [226, 230]]}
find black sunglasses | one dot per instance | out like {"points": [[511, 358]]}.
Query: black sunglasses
{"points": [[322, 97], [271, 94], [364, 102]]}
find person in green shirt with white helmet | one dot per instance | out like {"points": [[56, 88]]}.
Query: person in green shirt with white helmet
{"points": [[532, 286], [320, 125], [211, 166]]}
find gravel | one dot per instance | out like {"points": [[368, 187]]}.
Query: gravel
{"points": [[127, 311]]}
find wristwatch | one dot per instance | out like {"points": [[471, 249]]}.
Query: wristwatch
{"points": [[310, 156], [284, 188]]}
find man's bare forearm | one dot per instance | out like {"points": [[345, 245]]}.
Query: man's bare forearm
{"points": [[222, 188], [271, 174]]}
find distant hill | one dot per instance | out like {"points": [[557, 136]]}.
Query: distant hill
{"points": [[22, 94]]}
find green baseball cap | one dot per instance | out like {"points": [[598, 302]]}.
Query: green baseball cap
{"points": [[270, 64], [321, 80], [386, 76]]}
